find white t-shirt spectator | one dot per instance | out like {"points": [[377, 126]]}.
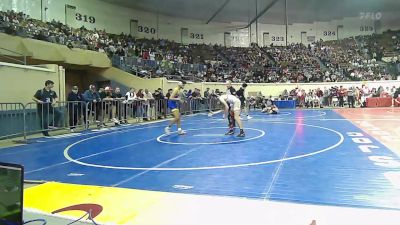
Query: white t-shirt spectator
{"points": [[95, 36], [112, 49], [148, 96], [366, 91], [309, 98], [392, 91], [130, 96], [152, 56]]}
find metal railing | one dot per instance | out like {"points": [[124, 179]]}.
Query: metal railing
{"points": [[12, 119], [23, 120]]}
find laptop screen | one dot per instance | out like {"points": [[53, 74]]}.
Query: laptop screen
{"points": [[11, 194]]}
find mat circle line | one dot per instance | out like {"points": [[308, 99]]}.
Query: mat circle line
{"points": [[210, 143], [69, 158]]}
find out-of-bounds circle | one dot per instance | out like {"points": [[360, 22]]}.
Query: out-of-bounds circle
{"points": [[271, 115], [282, 115], [260, 115], [261, 133], [69, 158]]}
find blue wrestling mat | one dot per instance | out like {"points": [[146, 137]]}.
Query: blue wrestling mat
{"points": [[305, 156]]}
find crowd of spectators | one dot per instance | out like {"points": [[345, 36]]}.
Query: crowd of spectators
{"points": [[333, 96], [238, 65], [97, 40], [348, 59], [295, 63], [381, 45], [105, 105], [338, 96]]}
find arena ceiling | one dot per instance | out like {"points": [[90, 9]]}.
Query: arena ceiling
{"points": [[245, 10]]}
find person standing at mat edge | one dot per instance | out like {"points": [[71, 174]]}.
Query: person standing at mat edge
{"points": [[46, 100], [242, 98], [173, 105], [232, 107]]}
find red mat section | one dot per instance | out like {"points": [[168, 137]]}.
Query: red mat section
{"points": [[381, 123]]}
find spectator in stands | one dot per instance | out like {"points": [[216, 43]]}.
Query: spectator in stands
{"points": [[160, 103], [385, 93], [320, 95], [334, 97], [206, 93], [119, 106], [309, 100], [285, 94], [196, 94], [130, 96], [213, 94], [75, 107], [196, 99], [106, 95], [158, 94], [69, 45], [92, 98], [188, 94], [374, 93], [357, 95], [140, 103], [252, 103], [301, 95], [347, 59], [392, 91], [46, 100], [148, 104], [130, 104], [326, 96], [341, 94], [365, 93], [169, 93], [350, 96], [102, 92]]}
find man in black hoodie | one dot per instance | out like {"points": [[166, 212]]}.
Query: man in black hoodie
{"points": [[240, 94], [75, 107], [160, 103]]}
